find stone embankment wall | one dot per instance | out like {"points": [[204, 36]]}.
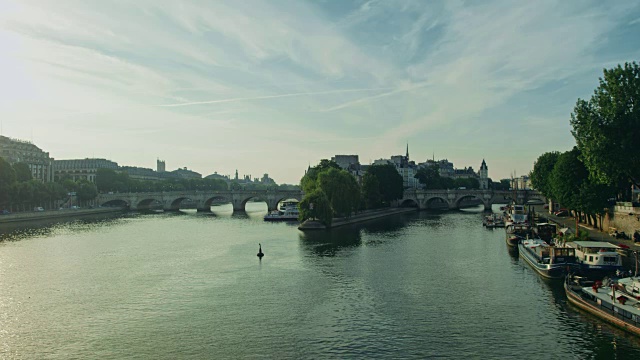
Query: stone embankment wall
{"points": [[54, 214], [624, 217], [359, 217]]}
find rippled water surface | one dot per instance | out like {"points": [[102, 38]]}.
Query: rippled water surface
{"points": [[189, 285]]}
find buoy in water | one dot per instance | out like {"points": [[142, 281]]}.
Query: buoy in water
{"points": [[260, 254]]}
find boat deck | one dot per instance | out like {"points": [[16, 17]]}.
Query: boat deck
{"points": [[599, 302]]}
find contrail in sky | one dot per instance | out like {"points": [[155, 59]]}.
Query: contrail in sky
{"points": [[273, 96]]}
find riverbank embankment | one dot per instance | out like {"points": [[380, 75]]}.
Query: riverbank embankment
{"points": [[26, 217], [355, 218]]}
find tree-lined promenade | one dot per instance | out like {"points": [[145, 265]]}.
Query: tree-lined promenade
{"points": [[605, 162]]}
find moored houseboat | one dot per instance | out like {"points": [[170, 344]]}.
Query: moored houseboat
{"points": [[597, 257], [615, 302], [552, 262], [545, 231], [516, 232]]}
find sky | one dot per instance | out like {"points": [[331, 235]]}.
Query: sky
{"points": [[275, 86]]}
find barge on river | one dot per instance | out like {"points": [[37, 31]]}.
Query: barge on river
{"points": [[616, 302], [552, 262]]}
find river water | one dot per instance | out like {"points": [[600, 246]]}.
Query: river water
{"points": [[189, 285]]}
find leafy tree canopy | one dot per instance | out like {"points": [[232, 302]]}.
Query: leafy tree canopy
{"points": [[7, 180], [371, 191], [390, 182], [315, 205], [341, 190], [429, 176], [23, 173], [607, 127], [568, 175], [541, 173], [308, 182]]}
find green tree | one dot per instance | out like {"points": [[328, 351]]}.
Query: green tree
{"points": [[429, 176], [568, 175], [593, 199], [55, 191], [315, 205], [308, 182], [371, 191], [341, 190], [23, 173], [23, 195], [86, 190], [391, 184], [7, 180], [541, 173], [108, 180], [607, 127]]}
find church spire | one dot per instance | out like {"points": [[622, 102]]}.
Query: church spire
{"points": [[407, 151]]}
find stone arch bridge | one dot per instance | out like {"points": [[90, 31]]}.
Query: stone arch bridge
{"points": [[452, 199], [203, 199]]}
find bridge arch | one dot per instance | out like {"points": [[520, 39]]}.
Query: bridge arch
{"points": [[174, 205], [409, 203], [207, 203], [460, 199], [144, 203], [436, 202]]}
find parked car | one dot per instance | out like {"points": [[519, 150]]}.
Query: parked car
{"points": [[561, 213], [5, 212], [38, 208]]}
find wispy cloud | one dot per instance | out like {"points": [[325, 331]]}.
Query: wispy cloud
{"points": [[339, 91], [359, 77]]}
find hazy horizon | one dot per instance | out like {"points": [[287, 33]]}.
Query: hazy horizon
{"points": [[275, 86]]}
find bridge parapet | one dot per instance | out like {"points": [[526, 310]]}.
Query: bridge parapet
{"points": [[453, 197], [171, 200]]}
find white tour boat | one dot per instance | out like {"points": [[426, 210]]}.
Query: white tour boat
{"points": [[289, 211]]}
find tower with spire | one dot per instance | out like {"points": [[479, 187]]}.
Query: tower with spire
{"points": [[484, 176]]}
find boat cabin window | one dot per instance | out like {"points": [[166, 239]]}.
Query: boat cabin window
{"points": [[609, 259], [590, 258], [563, 252]]}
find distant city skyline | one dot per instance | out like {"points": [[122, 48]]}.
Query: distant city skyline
{"points": [[275, 86]]}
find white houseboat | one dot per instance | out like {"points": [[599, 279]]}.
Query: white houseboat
{"points": [[597, 256]]}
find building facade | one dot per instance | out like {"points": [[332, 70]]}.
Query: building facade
{"points": [[20, 151], [350, 163], [185, 173], [77, 169], [405, 167], [139, 173], [521, 183]]}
